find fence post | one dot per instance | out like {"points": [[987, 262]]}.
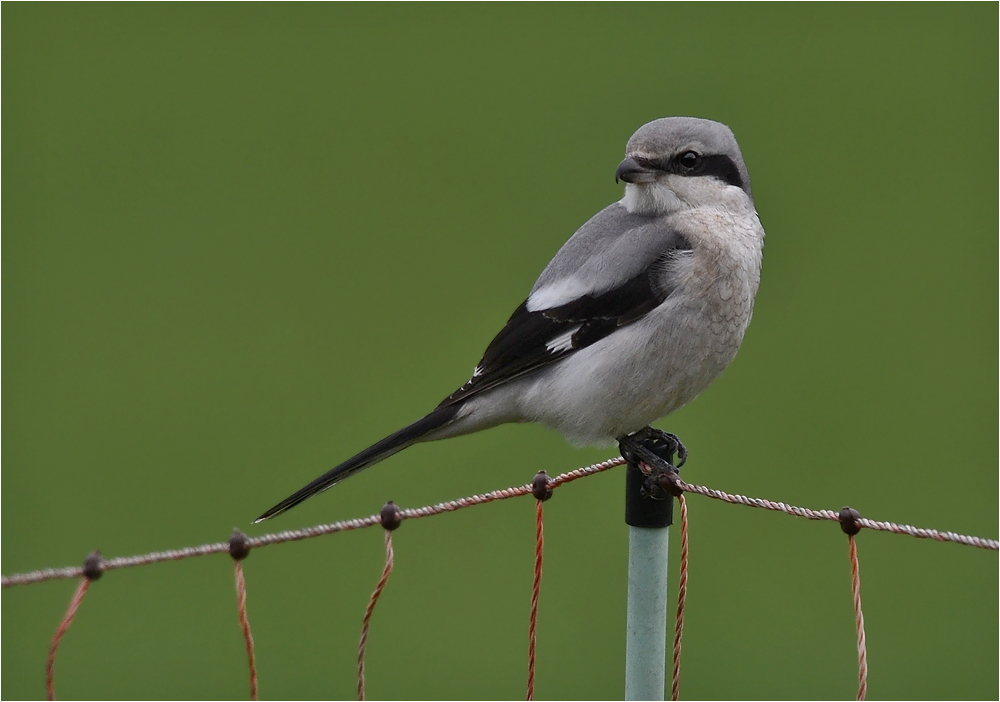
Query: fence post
{"points": [[646, 628]]}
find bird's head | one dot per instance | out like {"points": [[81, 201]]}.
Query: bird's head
{"points": [[677, 163]]}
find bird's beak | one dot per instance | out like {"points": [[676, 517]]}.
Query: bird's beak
{"points": [[632, 171]]}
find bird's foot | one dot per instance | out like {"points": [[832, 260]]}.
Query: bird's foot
{"points": [[654, 449]]}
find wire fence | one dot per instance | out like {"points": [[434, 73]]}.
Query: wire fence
{"points": [[240, 545]]}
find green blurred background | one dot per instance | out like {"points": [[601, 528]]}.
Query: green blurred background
{"points": [[242, 242]]}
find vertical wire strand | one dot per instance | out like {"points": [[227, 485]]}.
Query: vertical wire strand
{"points": [[675, 690], [365, 623], [536, 587], [50, 665], [859, 621], [241, 609]]}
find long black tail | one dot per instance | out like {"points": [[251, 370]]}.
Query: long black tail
{"points": [[369, 457]]}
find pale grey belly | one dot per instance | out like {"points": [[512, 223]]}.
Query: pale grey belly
{"points": [[634, 377]]}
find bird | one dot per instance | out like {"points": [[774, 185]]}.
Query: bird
{"points": [[636, 314]]}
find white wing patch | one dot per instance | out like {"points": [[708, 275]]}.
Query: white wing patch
{"points": [[558, 293], [563, 342]]}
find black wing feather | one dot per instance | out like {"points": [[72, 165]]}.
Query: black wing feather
{"points": [[523, 344]]}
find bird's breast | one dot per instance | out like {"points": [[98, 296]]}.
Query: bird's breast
{"points": [[657, 364]]}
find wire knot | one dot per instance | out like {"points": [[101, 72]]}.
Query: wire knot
{"points": [[239, 545], [93, 566], [670, 482], [541, 486], [850, 521], [390, 516]]}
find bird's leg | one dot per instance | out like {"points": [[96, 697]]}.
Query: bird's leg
{"points": [[656, 449]]}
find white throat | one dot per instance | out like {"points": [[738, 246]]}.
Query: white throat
{"points": [[656, 199], [673, 193]]}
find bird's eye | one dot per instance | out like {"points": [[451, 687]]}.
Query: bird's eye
{"points": [[689, 159]]}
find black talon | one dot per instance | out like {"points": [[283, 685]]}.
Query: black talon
{"points": [[679, 448]]}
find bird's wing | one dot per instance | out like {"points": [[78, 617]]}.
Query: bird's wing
{"points": [[610, 249], [576, 303]]}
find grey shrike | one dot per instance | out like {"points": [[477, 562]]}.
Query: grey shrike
{"points": [[637, 313]]}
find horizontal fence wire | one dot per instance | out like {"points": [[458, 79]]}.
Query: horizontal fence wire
{"points": [[280, 537], [37, 576], [977, 541], [391, 516]]}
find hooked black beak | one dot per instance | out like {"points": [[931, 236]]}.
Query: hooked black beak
{"points": [[632, 171]]}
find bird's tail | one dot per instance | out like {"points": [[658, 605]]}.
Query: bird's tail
{"points": [[369, 457]]}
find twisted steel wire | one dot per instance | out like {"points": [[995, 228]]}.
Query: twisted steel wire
{"points": [[859, 620], [682, 587], [241, 610], [37, 576], [536, 586], [50, 664], [826, 514], [370, 609], [94, 566]]}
